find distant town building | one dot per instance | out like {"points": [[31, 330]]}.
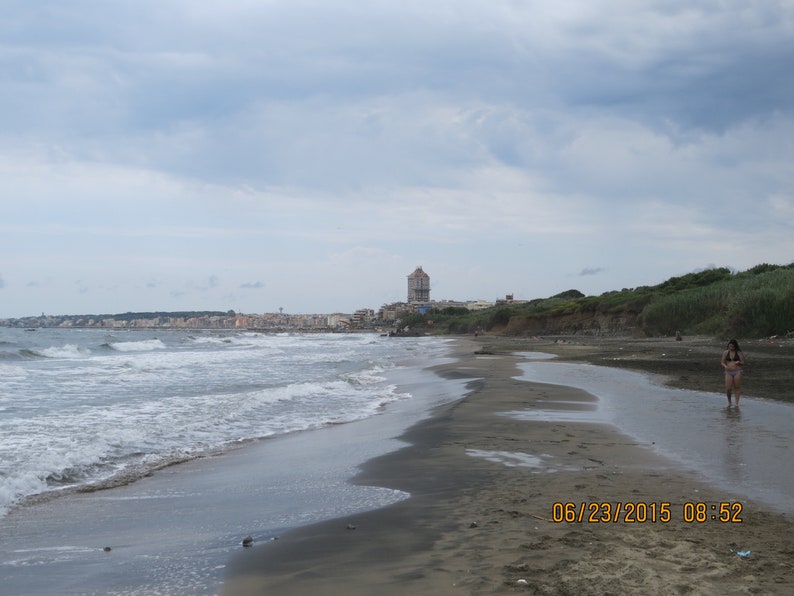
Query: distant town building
{"points": [[389, 313], [509, 299], [479, 304], [363, 317], [418, 287]]}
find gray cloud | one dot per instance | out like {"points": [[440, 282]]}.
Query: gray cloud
{"points": [[212, 137], [219, 95], [591, 271]]}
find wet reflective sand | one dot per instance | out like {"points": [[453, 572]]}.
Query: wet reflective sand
{"points": [[746, 449]]}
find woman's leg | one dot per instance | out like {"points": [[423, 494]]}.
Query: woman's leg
{"points": [[737, 385], [728, 386]]}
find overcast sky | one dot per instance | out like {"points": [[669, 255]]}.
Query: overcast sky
{"points": [[309, 154]]}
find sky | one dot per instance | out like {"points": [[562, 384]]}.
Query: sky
{"points": [[253, 155]]}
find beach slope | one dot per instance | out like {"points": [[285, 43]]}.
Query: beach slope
{"points": [[486, 493]]}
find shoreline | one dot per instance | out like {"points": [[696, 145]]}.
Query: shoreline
{"points": [[483, 491], [692, 363], [173, 531]]}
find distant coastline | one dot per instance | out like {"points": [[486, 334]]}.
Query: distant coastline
{"points": [[193, 320]]}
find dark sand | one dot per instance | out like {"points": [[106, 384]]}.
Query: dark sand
{"points": [[477, 526]]}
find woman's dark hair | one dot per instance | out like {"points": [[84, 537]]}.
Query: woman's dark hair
{"points": [[735, 343]]}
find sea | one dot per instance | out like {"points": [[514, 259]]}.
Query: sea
{"points": [[94, 407], [136, 462]]}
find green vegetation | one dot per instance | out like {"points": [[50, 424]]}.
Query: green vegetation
{"points": [[758, 302]]}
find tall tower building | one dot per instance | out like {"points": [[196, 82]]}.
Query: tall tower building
{"points": [[418, 287]]}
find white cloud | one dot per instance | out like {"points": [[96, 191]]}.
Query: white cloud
{"points": [[508, 147]]}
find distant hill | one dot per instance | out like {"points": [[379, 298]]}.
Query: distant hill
{"points": [[132, 316], [128, 318], [758, 302]]}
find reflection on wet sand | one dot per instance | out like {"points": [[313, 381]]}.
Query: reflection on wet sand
{"points": [[692, 428], [734, 440]]}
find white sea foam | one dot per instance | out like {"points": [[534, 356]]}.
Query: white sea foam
{"points": [[138, 346], [517, 459], [103, 405], [10, 371], [67, 351]]}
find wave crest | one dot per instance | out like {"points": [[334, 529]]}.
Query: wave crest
{"points": [[68, 351], [137, 346]]}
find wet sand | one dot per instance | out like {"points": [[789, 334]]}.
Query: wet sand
{"points": [[481, 519], [173, 532], [692, 363]]}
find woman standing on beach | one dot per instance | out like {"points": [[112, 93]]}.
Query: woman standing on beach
{"points": [[732, 361]]}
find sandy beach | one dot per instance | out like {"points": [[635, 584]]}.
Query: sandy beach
{"points": [[488, 516]]}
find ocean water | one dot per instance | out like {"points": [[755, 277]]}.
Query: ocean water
{"points": [[88, 407]]}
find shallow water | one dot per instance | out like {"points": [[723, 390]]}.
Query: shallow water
{"points": [[87, 406], [173, 532], [278, 424], [745, 450]]}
